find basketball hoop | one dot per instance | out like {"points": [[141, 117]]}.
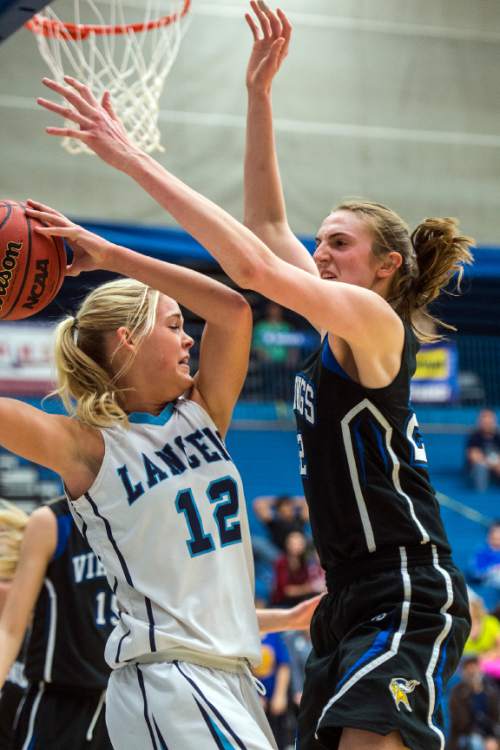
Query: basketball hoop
{"points": [[130, 59]]}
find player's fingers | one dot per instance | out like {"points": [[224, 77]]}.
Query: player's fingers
{"points": [[286, 32], [263, 19], [37, 206], [47, 215], [80, 135], [53, 222], [272, 18], [253, 27], [71, 96], [67, 112], [106, 104], [57, 231], [84, 91]]}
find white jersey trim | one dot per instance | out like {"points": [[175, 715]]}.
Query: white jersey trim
{"points": [[51, 640], [353, 470], [437, 645], [34, 710]]}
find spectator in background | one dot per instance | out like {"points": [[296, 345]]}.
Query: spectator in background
{"points": [[483, 451], [281, 514], [295, 577], [474, 710], [298, 643], [484, 638], [485, 567], [274, 673], [276, 352]]}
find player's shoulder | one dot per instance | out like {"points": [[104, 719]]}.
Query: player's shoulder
{"points": [[41, 531]]}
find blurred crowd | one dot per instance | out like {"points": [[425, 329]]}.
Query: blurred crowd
{"points": [[474, 699], [287, 572]]}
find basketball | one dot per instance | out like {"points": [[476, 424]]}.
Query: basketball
{"points": [[32, 265]]}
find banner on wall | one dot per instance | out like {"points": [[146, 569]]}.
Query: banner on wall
{"points": [[26, 359], [436, 377]]}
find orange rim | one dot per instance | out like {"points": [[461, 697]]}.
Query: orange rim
{"points": [[60, 30]]}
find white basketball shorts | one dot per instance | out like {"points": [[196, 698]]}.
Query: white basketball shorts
{"points": [[182, 706]]}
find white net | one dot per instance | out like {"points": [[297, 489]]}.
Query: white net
{"points": [[130, 59]]}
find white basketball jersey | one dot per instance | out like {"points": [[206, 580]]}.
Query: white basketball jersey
{"points": [[166, 515]]}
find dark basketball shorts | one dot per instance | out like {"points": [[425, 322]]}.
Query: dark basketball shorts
{"points": [[10, 699], [384, 647], [60, 719]]}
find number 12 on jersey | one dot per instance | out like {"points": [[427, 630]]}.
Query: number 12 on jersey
{"points": [[223, 493]]}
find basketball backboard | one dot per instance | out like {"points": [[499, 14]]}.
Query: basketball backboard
{"points": [[14, 13]]}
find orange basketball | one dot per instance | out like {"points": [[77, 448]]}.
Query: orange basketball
{"points": [[32, 265]]}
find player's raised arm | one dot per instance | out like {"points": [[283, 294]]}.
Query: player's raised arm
{"points": [[265, 210], [367, 246], [352, 313], [50, 440]]}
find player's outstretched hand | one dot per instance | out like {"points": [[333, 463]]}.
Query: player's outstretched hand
{"points": [[295, 618], [90, 252], [271, 33], [300, 616], [98, 125]]}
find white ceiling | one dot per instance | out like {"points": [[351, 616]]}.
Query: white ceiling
{"points": [[396, 100]]}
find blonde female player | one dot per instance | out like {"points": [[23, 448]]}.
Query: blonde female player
{"points": [[391, 630], [154, 491]]}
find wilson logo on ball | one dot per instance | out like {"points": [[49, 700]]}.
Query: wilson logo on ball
{"points": [[9, 263], [32, 265], [38, 288]]}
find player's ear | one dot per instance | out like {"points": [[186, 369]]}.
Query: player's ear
{"points": [[390, 264], [125, 339]]}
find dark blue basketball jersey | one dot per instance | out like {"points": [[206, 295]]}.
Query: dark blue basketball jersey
{"points": [[363, 462], [74, 614]]}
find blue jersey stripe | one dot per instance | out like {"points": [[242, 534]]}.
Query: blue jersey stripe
{"points": [[145, 701], [119, 555], [64, 527], [380, 444], [219, 739], [329, 361], [375, 649], [438, 681], [216, 713]]}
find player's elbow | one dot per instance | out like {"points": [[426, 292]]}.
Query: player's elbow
{"points": [[241, 312], [256, 274]]}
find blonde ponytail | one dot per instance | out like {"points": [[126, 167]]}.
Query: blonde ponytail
{"points": [[87, 384], [13, 522]]}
